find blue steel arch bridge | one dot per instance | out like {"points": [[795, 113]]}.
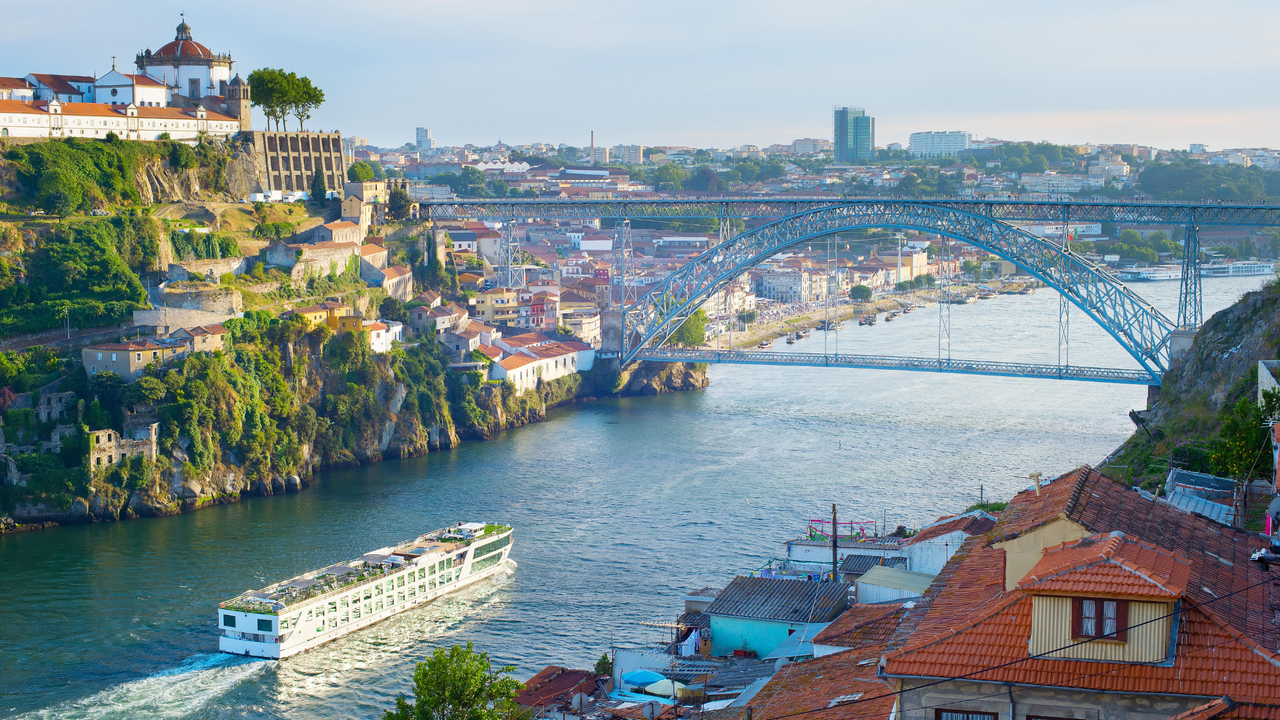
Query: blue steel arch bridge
{"points": [[643, 322]]}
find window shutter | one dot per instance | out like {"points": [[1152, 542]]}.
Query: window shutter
{"points": [[1122, 620], [1075, 618]]}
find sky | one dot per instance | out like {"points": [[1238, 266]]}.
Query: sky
{"points": [[722, 73]]}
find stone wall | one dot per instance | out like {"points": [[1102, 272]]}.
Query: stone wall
{"points": [[1039, 701], [201, 269], [201, 296], [286, 160], [174, 318]]}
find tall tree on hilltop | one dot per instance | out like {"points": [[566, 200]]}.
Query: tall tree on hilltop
{"points": [[303, 98], [269, 90]]}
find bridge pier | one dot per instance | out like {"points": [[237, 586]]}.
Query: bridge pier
{"points": [[1153, 396], [1180, 342], [611, 332]]}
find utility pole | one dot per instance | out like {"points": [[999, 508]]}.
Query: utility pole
{"points": [[835, 540]]}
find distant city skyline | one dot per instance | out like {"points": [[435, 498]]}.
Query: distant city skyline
{"points": [[720, 74]]}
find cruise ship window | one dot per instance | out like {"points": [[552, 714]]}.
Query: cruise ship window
{"points": [[342, 602], [433, 569], [448, 562], [228, 620], [400, 581], [368, 593], [333, 606], [264, 625]]}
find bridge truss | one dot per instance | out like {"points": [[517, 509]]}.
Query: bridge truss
{"points": [[1140, 328]]}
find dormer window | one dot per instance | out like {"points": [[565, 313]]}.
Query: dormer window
{"points": [[1100, 619]]}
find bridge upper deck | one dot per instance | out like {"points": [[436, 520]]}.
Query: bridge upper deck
{"points": [[712, 207]]}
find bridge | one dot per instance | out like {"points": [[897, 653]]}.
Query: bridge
{"points": [[643, 323]]}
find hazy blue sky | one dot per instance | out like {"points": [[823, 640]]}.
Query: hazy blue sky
{"points": [[696, 73]]}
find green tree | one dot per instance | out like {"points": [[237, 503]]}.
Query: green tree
{"points": [[604, 666], [392, 309], [303, 97], [693, 331], [860, 293], [458, 684], [269, 90], [746, 317], [705, 179], [902, 286], [667, 177], [359, 171], [399, 204], [318, 188]]}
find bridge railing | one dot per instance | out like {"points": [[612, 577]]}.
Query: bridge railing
{"points": [[892, 362]]}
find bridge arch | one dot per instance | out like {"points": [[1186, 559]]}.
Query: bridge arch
{"points": [[1141, 329]]}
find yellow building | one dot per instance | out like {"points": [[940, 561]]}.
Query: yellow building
{"points": [[340, 317], [497, 306]]}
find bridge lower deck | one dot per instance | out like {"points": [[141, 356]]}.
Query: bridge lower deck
{"points": [[889, 362]]}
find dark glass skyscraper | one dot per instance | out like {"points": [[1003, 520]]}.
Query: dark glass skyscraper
{"points": [[855, 135]]}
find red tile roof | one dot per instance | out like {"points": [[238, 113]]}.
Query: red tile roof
{"points": [[516, 362], [368, 250], [968, 625], [862, 626], [340, 225], [842, 686], [555, 686], [396, 271], [971, 523], [12, 83], [493, 352], [1109, 565], [61, 84]]}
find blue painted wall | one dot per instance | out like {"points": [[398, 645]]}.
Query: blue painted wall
{"points": [[732, 633]]}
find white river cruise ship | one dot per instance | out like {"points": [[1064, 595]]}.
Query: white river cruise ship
{"points": [[1237, 269], [309, 610]]}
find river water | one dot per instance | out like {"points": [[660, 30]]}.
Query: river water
{"points": [[619, 506]]}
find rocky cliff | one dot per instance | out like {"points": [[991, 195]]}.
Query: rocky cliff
{"points": [[175, 486]]}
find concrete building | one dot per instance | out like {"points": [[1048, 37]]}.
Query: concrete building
{"points": [[585, 325], [373, 260], [383, 334], [855, 136], [545, 360], [203, 338], [305, 260], [108, 447], [128, 359], [286, 161], [343, 231], [759, 614], [497, 306], [56, 406], [396, 281], [933, 144], [627, 154], [424, 139]]}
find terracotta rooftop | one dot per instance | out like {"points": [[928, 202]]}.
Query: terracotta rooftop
{"points": [[1109, 565], [396, 271], [842, 686], [554, 686], [968, 625], [862, 626], [975, 522], [516, 362]]}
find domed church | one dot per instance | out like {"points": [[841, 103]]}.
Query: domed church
{"points": [[187, 67]]}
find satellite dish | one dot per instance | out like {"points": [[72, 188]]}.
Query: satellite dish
{"points": [[651, 710], [779, 664], [580, 701]]}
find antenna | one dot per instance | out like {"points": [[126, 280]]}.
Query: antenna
{"points": [[1035, 478]]}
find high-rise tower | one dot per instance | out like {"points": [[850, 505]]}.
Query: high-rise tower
{"points": [[855, 135]]}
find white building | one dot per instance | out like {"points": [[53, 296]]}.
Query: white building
{"points": [[810, 146], [188, 68], [599, 156], [54, 119], [425, 141], [12, 88], [117, 88], [787, 285], [383, 333], [545, 361], [628, 154], [939, 144]]}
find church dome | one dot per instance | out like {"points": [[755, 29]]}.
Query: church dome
{"points": [[183, 46]]}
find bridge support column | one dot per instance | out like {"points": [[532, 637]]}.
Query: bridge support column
{"points": [[611, 331], [1180, 342], [1153, 396]]}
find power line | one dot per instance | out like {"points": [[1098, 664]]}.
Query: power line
{"points": [[1032, 657]]}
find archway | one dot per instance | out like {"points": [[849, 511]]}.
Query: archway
{"points": [[1141, 329]]}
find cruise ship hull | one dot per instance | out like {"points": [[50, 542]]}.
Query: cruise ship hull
{"points": [[307, 624]]}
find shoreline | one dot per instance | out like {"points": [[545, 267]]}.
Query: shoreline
{"points": [[637, 382]]}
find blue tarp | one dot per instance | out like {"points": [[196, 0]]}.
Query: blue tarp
{"points": [[641, 677]]}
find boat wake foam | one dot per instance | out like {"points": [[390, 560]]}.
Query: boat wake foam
{"points": [[173, 693]]}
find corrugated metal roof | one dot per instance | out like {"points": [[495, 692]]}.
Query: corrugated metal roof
{"points": [[1208, 508], [860, 564], [897, 578], [796, 601]]}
